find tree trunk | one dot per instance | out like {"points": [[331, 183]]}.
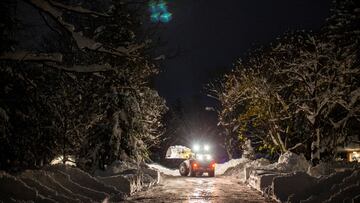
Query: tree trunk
{"points": [[315, 148]]}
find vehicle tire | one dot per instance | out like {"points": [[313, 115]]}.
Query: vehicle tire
{"points": [[211, 173], [192, 172], [183, 169]]}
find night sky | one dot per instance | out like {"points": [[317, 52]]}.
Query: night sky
{"points": [[212, 34]]}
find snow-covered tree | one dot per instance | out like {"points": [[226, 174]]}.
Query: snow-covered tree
{"points": [[301, 93], [75, 81]]}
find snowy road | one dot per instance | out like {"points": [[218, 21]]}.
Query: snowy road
{"points": [[199, 189]]}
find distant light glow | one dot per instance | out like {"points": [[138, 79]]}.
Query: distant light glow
{"points": [[165, 17], [159, 11], [162, 7], [155, 17]]}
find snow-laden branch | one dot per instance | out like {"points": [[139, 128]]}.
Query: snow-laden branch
{"points": [[81, 41], [77, 9], [83, 68], [30, 56]]}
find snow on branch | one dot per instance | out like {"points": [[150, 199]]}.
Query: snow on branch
{"points": [[29, 56], [81, 41], [83, 68], [77, 9]]}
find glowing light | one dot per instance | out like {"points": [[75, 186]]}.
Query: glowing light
{"points": [[200, 157], [208, 157], [152, 7], [196, 148], [162, 7], [206, 147], [155, 17], [159, 11], [165, 17]]}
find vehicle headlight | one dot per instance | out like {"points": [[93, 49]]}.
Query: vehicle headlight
{"points": [[206, 147], [200, 157], [208, 157], [196, 148]]}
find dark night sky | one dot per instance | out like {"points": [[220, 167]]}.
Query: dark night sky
{"points": [[211, 34]]}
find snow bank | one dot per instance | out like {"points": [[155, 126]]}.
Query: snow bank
{"points": [[47, 179], [86, 193], [292, 162], [164, 170], [129, 177], [337, 187], [84, 179], [292, 179], [244, 168], [220, 169], [287, 186], [64, 183], [13, 189], [47, 192]]}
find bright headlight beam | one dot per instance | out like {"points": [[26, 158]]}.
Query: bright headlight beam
{"points": [[196, 148], [206, 147]]}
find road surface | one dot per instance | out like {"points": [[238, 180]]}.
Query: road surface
{"points": [[199, 189]]}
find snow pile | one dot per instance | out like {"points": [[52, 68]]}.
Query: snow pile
{"points": [[292, 179], [244, 167], [287, 186], [164, 170], [64, 183], [13, 189], [337, 187], [321, 170], [220, 169], [129, 177], [84, 178], [291, 162]]}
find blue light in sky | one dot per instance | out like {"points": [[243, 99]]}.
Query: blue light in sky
{"points": [[165, 17], [159, 12], [162, 7], [155, 17]]}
